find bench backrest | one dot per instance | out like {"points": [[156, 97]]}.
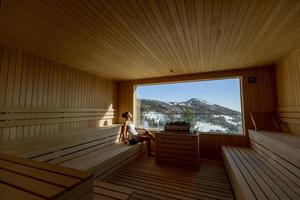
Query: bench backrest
{"points": [[265, 121]]}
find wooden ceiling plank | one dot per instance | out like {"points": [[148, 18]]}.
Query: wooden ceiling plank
{"points": [[199, 10], [133, 39], [186, 30], [264, 29], [103, 41], [165, 34], [171, 6], [153, 62], [229, 30], [216, 20], [238, 30], [192, 23], [241, 39], [152, 13], [282, 26], [147, 32], [158, 8], [207, 21], [224, 20]]}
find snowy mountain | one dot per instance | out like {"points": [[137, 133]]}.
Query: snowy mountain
{"points": [[203, 115]]}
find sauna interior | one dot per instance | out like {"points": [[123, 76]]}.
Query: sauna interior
{"points": [[69, 70]]}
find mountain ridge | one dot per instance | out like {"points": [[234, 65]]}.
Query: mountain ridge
{"points": [[203, 115]]}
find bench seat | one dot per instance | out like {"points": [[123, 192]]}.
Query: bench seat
{"points": [[95, 150], [27, 179], [263, 171], [278, 145]]}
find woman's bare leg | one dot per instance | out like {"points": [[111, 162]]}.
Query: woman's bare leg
{"points": [[148, 141], [148, 133]]}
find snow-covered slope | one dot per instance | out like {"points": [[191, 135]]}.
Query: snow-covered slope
{"points": [[203, 115]]}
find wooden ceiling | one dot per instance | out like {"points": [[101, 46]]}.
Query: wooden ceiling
{"points": [[147, 38]]}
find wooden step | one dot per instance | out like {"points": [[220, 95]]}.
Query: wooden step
{"points": [[27, 179]]}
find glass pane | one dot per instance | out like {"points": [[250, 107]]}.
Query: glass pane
{"points": [[209, 106]]}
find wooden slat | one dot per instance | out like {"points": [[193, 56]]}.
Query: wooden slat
{"points": [[259, 194], [284, 145], [259, 174], [287, 82], [113, 187], [38, 180], [273, 178], [8, 192], [161, 182], [151, 38], [52, 168], [171, 148], [259, 178], [111, 190], [279, 165], [100, 197], [34, 98], [103, 162], [39, 174], [94, 150], [88, 161], [43, 145], [114, 164], [12, 145], [29, 184], [240, 184], [68, 145]]}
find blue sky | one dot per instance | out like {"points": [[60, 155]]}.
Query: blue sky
{"points": [[224, 92]]}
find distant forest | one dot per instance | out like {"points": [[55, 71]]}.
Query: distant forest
{"points": [[203, 116]]}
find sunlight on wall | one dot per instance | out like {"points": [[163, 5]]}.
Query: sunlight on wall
{"points": [[106, 117]]}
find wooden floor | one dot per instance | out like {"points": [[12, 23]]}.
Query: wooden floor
{"points": [[150, 181]]}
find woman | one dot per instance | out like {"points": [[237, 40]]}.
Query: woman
{"points": [[134, 135]]}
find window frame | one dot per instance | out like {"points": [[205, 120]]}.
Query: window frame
{"points": [[243, 132]]}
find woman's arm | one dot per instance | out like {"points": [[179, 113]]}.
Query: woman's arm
{"points": [[125, 131]]}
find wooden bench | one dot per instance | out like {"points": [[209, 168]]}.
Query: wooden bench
{"points": [[95, 150], [268, 169], [32, 180], [108, 191]]}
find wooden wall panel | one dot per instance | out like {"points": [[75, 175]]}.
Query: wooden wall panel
{"points": [[210, 144], [258, 97], [288, 91], [41, 97]]}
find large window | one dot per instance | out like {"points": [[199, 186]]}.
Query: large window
{"points": [[213, 106]]}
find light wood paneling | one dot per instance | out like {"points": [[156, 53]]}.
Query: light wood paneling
{"points": [[90, 149], [150, 181], [260, 174], [41, 97], [177, 150], [288, 91], [258, 97], [108, 191], [26, 179], [142, 39], [210, 144]]}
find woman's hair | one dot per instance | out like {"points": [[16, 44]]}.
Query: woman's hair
{"points": [[124, 115]]}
